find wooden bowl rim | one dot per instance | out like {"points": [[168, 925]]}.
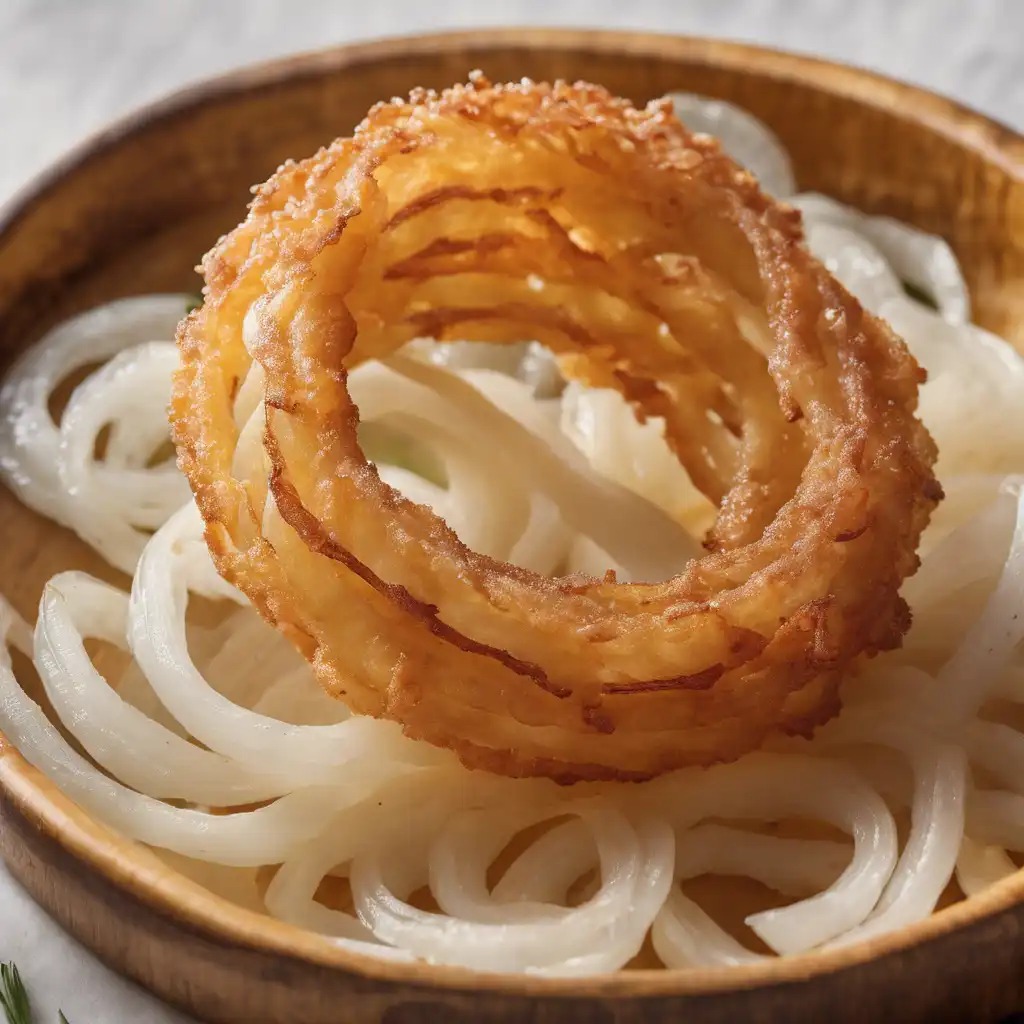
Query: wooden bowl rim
{"points": [[993, 140], [136, 870]]}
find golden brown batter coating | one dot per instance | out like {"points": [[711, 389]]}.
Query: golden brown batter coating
{"points": [[649, 262]]}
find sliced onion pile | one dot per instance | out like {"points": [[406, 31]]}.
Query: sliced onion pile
{"points": [[219, 716]]}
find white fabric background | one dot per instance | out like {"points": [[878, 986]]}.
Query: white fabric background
{"points": [[69, 66]]}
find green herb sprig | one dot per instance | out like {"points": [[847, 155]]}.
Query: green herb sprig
{"points": [[14, 997]]}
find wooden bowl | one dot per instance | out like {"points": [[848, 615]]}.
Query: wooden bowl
{"points": [[134, 209]]}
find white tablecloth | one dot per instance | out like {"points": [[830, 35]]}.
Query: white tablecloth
{"points": [[69, 66]]}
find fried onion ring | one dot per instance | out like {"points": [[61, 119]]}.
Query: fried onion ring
{"points": [[648, 262]]}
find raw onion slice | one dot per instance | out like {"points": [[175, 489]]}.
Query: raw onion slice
{"points": [[749, 141], [922, 260]]}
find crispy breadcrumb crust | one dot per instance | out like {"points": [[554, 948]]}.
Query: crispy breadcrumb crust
{"points": [[668, 275]]}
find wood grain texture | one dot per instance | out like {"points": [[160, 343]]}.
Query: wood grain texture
{"points": [[134, 209]]}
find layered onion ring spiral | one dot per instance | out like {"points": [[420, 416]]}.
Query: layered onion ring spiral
{"points": [[648, 262]]}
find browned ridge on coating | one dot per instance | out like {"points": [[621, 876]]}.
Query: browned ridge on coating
{"points": [[648, 262]]}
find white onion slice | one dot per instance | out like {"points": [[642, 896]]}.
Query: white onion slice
{"points": [[937, 822], [749, 141], [114, 497], [922, 260], [793, 867], [852, 259], [980, 866], [264, 836], [600, 423], [769, 787], [158, 642], [636, 533], [999, 750], [684, 935], [128, 744], [967, 679], [484, 502], [971, 399], [406, 810], [543, 544], [28, 436], [472, 355], [973, 554], [605, 931], [996, 817], [467, 846], [545, 870]]}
